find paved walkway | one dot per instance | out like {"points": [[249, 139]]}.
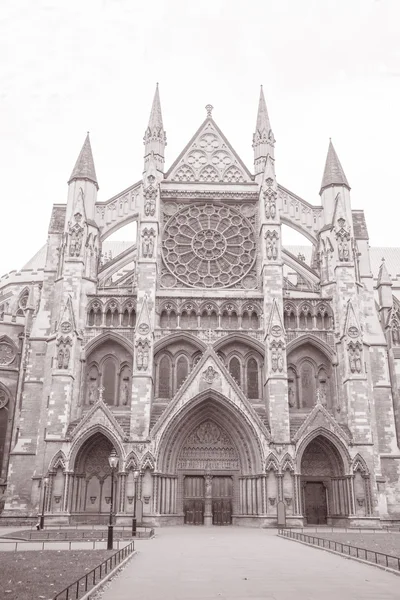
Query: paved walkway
{"points": [[233, 563]]}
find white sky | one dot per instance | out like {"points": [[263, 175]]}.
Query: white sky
{"points": [[330, 68]]}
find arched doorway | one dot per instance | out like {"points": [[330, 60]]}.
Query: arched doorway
{"points": [[92, 479], [325, 487], [209, 450], [210, 466]]}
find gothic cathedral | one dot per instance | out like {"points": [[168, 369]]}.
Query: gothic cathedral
{"points": [[230, 374]]}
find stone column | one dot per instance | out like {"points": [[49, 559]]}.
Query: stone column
{"points": [[122, 485], [208, 500], [66, 492]]}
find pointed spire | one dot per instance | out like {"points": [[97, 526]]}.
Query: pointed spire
{"points": [[383, 275], [155, 138], [84, 166], [263, 138], [155, 120], [263, 123], [333, 173]]}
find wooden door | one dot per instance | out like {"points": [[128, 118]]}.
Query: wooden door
{"points": [[315, 503], [222, 492], [193, 501]]}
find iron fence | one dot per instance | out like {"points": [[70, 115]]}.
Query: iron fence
{"points": [[82, 585], [372, 556]]}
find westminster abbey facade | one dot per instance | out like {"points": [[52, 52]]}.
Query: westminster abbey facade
{"points": [[228, 372]]}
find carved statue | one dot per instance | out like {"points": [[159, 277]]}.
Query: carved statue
{"points": [[148, 243], [269, 249], [352, 362], [145, 358], [208, 481], [274, 250], [340, 251], [280, 360], [139, 358], [66, 358], [270, 208], [60, 358], [357, 360], [125, 391], [92, 391], [274, 360], [346, 254]]}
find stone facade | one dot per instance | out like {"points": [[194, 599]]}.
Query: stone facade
{"points": [[229, 373]]}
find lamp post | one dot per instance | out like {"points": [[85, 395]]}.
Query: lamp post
{"points": [[113, 462], [134, 523], [45, 481]]}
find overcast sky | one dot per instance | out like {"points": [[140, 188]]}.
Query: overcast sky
{"points": [[329, 68]]}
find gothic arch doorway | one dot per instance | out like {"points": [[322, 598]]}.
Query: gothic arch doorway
{"points": [[325, 488], [210, 465], [91, 493]]}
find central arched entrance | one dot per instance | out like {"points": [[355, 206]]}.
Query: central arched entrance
{"points": [[212, 455], [325, 487], [209, 462]]}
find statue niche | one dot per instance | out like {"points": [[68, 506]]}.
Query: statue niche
{"points": [[109, 366]]}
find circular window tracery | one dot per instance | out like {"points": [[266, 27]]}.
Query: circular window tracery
{"points": [[209, 245]]}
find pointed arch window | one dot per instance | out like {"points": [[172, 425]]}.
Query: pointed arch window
{"points": [[164, 319], [182, 370], [108, 318], [164, 378], [245, 320], [235, 369], [91, 318], [252, 379], [254, 320]]}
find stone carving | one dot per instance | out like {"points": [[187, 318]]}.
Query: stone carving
{"points": [[210, 374], [288, 500], [150, 197], [321, 394], [101, 391], [269, 198], [208, 485], [343, 238], [124, 394], [353, 331], [3, 398], [92, 391], [277, 359], [66, 327], [276, 330], [63, 352], [360, 501], [208, 448], [272, 501], [7, 354], [355, 360], [148, 236], [271, 238], [75, 236], [142, 354], [208, 433], [209, 245]]}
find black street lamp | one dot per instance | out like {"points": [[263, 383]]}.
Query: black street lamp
{"points": [[45, 481], [113, 462], [134, 521]]}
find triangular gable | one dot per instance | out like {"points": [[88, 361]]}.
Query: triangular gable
{"points": [[352, 327], [143, 322], [317, 418], [210, 374], [209, 158], [275, 323], [66, 322], [99, 414]]}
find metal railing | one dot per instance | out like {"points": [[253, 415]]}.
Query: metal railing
{"points": [[372, 556], [82, 585]]}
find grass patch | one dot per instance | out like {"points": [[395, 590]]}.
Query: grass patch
{"points": [[40, 575], [59, 535]]}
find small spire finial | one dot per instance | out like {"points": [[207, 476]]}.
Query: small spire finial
{"points": [[209, 109]]}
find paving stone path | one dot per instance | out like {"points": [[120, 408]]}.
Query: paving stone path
{"points": [[233, 563]]}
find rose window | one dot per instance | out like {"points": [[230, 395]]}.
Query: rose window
{"points": [[209, 245]]}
